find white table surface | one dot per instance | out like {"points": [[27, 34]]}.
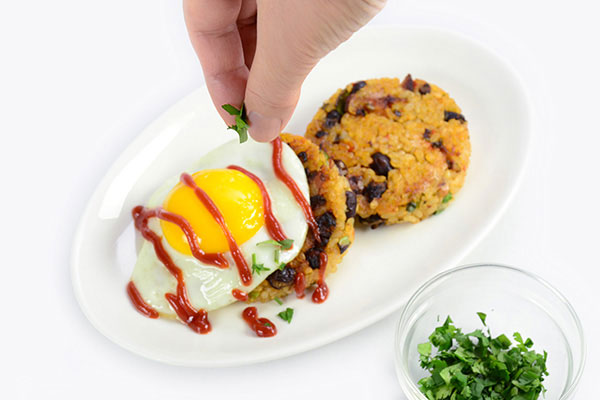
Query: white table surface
{"points": [[79, 80]]}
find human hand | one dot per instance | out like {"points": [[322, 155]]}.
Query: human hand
{"points": [[258, 52]]}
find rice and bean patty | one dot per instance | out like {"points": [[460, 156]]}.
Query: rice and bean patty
{"points": [[334, 208], [404, 147]]}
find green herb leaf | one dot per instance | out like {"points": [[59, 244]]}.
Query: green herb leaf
{"points": [[276, 255], [447, 198], [287, 315], [475, 366], [344, 241], [253, 295], [284, 244], [412, 206], [256, 267], [281, 266], [241, 121], [278, 301], [482, 317]]}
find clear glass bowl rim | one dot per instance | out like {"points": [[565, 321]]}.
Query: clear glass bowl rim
{"points": [[410, 388]]}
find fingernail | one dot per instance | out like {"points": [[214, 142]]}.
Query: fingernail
{"points": [[263, 129]]}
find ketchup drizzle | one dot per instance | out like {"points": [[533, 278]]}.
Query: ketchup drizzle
{"points": [[197, 320], [141, 215], [322, 291], [139, 303], [239, 295], [236, 252], [296, 192], [261, 326], [273, 227], [299, 285]]}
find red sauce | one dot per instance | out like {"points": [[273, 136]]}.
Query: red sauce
{"points": [[299, 285], [141, 215], [322, 291], [296, 192], [197, 320], [139, 303], [239, 295], [236, 252], [273, 227], [261, 326]]}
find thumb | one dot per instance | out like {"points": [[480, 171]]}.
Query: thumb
{"points": [[278, 70]]}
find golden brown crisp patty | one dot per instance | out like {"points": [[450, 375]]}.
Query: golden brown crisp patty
{"points": [[404, 147], [333, 205]]}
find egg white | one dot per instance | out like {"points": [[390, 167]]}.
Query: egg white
{"points": [[210, 287]]}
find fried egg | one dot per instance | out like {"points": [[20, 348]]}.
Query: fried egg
{"points": [[240, 201]]}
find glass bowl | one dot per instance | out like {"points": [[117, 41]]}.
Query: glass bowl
{"points": [[514, 301]]}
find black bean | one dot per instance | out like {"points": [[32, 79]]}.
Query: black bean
{"points": [[381, 164], [281, 278], [317, 201], [311, 174], [374, 190], [333, 117], [341, 167], [373, 220], [449, 163], [302, 156], [360, 112], [320, 134], [350, 204], [425, 89], [313, 256], [356, 183], [412, 206], [397, 113], [357, 86], [326, 223], [408, 83], [343, 247], [448, 115], [427, 134], [438, 145]]}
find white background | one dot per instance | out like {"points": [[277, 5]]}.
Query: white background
{"points": [[79, 80]]}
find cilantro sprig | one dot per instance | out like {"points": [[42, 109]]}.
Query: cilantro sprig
{"points": [[241, 121], [284, 244], [287, 315], [476, 366], [256, 267]]}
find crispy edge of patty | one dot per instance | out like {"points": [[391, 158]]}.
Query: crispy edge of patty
{"points": [[328, 191]]}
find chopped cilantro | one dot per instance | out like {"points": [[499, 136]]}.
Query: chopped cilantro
{"points": [[447, 198], [287, 315], [477, 366], [253, 295], [278, 301], [256, 267], [344, 241], [284, 244], [241, 121], [281, 266], [276, 255]]}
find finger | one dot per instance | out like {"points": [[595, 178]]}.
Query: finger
{"points": [[212, 26], [247, 27]]}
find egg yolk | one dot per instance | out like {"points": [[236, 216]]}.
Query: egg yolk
{"points": [[237, 197]]}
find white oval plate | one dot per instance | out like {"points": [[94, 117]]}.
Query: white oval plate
{"points": [[382, 268]]}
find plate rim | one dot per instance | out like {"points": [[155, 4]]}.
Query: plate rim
{"points": [[321, 340]]}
